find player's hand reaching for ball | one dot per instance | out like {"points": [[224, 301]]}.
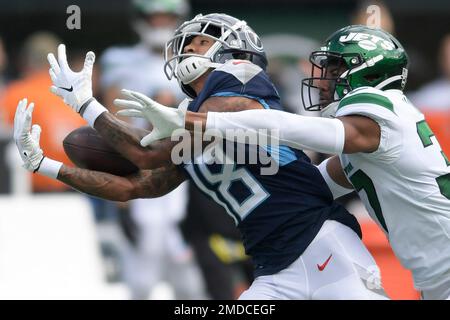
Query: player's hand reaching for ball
{"points": [[27, 139], [165, 120], [27, 136], [75, 88]]}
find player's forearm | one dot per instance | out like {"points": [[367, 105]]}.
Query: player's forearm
{"points": [[300, 132], [145, 184], [95, 183], [116, 132], [126, 140], [120, 136], [332, 173], [193, 118], [218, 104]]}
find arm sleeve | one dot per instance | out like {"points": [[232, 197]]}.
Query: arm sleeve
{"points": [[378, 106], [299, 132], [336, 189]]}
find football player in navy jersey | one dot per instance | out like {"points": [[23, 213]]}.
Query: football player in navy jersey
{"points": [[302, 243]]}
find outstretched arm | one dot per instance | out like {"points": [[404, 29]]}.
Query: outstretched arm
{"points": [[126, 140], [334, 177], [300, 132], [145, 184], [349, 134], [75, 88], [167, 121]]}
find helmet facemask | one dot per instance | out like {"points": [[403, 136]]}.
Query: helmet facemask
{"points": [[329, 79], [174, 51]]}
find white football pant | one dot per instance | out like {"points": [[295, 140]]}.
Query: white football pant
{"points": [[440, 292], [336, 265]]}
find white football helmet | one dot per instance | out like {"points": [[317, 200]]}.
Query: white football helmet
{"points": [[234, 39]]}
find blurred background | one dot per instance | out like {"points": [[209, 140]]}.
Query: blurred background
{"points": [[56, 243]]}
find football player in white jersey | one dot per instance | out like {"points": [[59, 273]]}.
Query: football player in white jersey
{"points": [[386, 150]]}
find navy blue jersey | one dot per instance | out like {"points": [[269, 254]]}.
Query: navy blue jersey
{"points": [[278, 215]]}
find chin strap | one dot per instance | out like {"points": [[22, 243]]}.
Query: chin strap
{"points": [[192, 68]]}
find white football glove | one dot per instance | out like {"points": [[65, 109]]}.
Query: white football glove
{"points": [[27, 137], [75, 88], [165, 120]]}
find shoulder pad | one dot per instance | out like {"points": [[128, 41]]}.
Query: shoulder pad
{"points": [[242, 70], [367, 96]]}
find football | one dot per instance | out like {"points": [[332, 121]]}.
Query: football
{"points": [[87, 149]]}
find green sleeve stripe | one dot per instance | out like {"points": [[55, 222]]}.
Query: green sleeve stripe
{"points": [[447, 162], [425, 133], [367, 98]]}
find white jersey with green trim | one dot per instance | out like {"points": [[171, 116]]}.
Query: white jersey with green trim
{"points": [[405, 183]]}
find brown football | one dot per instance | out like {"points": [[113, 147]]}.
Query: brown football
{"points": [[87, 149]]}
